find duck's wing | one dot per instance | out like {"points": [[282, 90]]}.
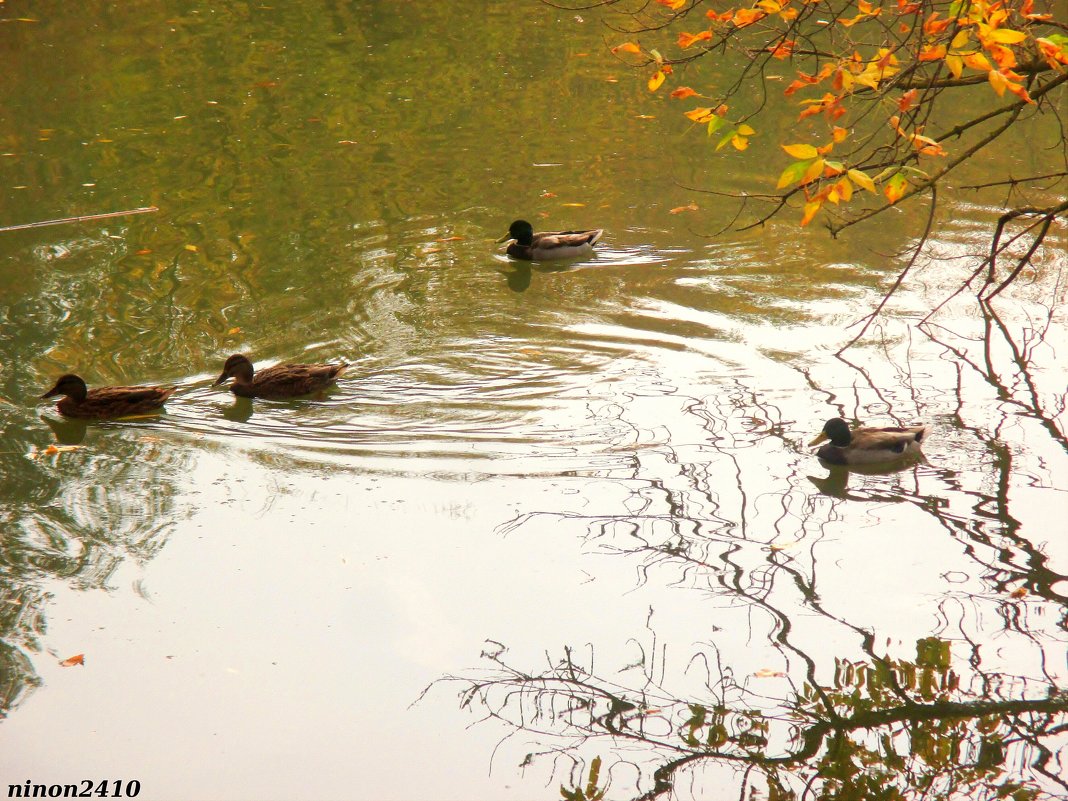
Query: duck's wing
{"points": [[567, 239], [295, 379], [896, 440], [123, 401]]}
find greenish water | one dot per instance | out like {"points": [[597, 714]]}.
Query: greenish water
{"points": [[607, 458]]}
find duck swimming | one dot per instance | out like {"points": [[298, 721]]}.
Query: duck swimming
{"points": [[105, 403], [868, 445], [529, 246], [278, 382]]}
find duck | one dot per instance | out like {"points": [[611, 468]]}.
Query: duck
{"points": [[524, 244], [868, 445], [105, 403], [278, 382]]}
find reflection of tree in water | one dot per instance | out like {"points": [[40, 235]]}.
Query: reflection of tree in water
{"points": [[73, 516], [974, 713]]}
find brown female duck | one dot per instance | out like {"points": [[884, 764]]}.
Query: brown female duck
{"points": [[868, 445], [278, 382], [105, 403]]}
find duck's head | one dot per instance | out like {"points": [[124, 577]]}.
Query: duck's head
{"points": [[237, 366], [521, 231], [70, 385], [837, 431]]}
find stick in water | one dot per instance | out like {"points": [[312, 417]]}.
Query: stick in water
{"points": [[83, 218]]}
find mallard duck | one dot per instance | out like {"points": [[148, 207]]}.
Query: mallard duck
{"points": [[867, 445], [525, 244], [104, 403], [280, 381]]}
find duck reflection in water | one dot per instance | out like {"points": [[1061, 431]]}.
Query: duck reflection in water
{"points": [[836, 483], [521, 275]]}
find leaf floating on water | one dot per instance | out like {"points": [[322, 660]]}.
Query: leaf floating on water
{"points": [[1019, 592], [574, 205], [450, 239], [688, 207], [347, 142], [144, 251], [52, 450], [71, 661], [234, 330], [192, 248], [768, 673], [548, 194]]}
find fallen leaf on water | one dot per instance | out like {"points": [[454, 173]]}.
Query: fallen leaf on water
{"points": [[71, 661], [428, 251], [574, 205], [234, 330], [144, 251], [347, 142], [52, 450], [767, 673], [450, 239], [548, 194], [1019, 592], [192, 248], [680, 209]]}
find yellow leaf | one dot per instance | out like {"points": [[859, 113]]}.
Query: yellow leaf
{"points": [[801, 151], [574, 205], [745, 130], [656, 80], [814, 171], [961, 39], [862, 180], [845, 189], [740, 142], [192, 248], [810, 211], [998, 81], [1007, 36], [700, 115], [977, 61], [955, 64]]}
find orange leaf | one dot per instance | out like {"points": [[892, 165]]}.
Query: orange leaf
{"points": [[688, 207], [674, 5], [998, 81], [783, 49], [747, 16], [907, 100], [895, 188], [627, 47], [839, 134], [700, 115], [689, 39], [683, 92], [71, 661]]}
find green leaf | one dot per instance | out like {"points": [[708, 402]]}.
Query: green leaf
{"points": [[793, 173]]}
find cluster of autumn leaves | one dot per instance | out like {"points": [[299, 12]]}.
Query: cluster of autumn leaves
{"points": [[935, 45]]}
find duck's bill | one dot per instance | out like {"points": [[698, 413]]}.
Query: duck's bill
{"points": [[220, 379], [821, 438], [506, 238], [50, 394]]}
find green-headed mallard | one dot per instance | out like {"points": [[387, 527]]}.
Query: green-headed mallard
{"points": [[278, 382], [525, 244], [867, 445], [105, 403]]}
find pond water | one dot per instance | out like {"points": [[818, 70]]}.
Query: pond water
{"points": [[574, 505]]}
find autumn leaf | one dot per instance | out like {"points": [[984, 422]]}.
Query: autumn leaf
{"points": [[1019, 592], [907, 100], [688, 207], [682, 93], [839, 134], [895, 188], [674, 5], [810, 211], [768, 673], [627, 47], [71, 661], [998, 81], [801, 151], [656, 80], [700, 115], [861, 179], [690, 39], [793, 173]]}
